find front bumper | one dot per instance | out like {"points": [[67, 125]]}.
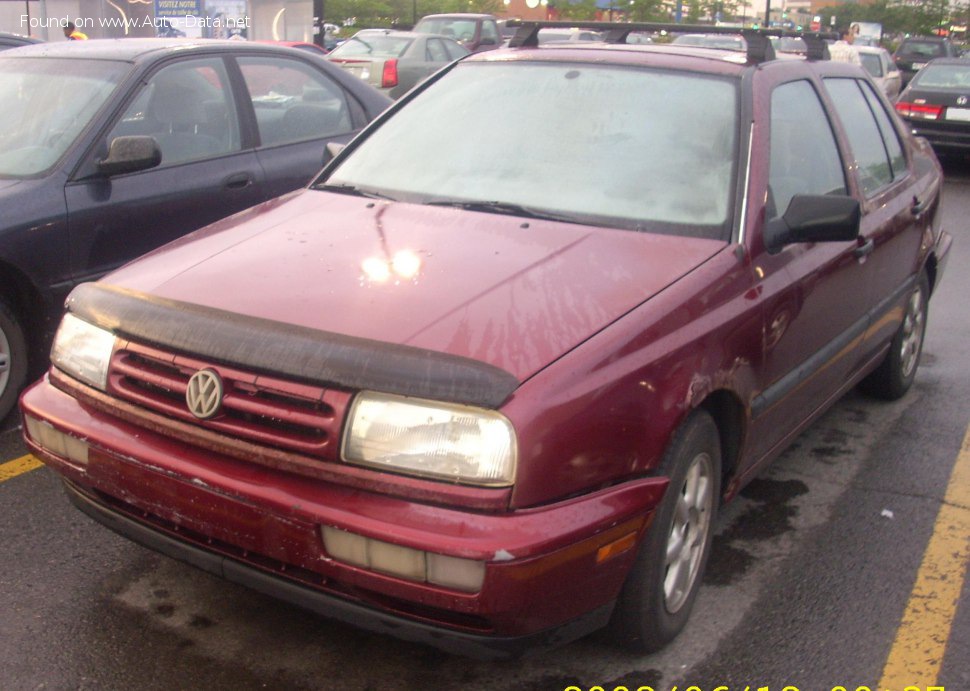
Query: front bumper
{"points": [[544, 583]]}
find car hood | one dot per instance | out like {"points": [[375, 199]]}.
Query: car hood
{"points": [[513, 293]]}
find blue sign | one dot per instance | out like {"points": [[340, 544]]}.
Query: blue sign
{"points": [[178, 8]]}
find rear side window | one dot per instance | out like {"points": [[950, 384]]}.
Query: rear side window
{"points": [[870, 145], [804, 155], [293, 101]]}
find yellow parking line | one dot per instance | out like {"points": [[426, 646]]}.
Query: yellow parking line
{"points": [[12, 469], [921, 639]]}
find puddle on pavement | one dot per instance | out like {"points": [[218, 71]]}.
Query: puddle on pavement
{"points": [[769, 515]]}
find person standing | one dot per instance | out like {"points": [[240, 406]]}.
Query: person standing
{"points": [[843, 50], [71, 33]]}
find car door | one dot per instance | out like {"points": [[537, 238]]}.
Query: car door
{"points": [[895, 212], [297, 110], [815, 298], [207, 171]]}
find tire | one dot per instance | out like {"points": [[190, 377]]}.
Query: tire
{"points": [[13, 359], [894, 376], [658, 595]]}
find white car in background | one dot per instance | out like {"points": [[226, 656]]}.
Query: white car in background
{"points": [[879, 64]]}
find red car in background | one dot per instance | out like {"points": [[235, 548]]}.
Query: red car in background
{"points": [[466, 391]]}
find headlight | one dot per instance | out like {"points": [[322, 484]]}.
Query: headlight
{"points": [[440, 440], [83, 351]]}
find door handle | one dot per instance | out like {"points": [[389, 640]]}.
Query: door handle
{"points": [[238, 181], [865, 249], [918, 207]]}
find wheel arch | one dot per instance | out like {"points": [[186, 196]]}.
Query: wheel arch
{"points": [[26, 301], [728, 413]]}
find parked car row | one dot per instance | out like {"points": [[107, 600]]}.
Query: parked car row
{"points": [[460, 389]]}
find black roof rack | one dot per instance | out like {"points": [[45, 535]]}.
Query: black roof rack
{"points": [[759, 45]]}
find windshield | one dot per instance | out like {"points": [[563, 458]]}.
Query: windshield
{"points": [[943, 77], [711, 41], [924, 49], [372, 46], [47, 103], [640, 149]]}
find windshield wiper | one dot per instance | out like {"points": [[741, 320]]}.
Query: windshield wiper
{"points": [[353, 190], [506, 208]]}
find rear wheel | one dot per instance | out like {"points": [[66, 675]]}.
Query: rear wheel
{"points": [[659, 593], [895, 375], [13, 359]]}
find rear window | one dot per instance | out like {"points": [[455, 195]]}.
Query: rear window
{"points": [[922, 49], [641, 149], [372, 46], [872, 63], [943, 77]]}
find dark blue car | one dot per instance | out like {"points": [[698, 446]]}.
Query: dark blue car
{"points": [[109, 149]]}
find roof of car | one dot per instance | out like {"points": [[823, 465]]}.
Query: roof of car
{"points": [[758, 47], [19, 38], [949, 61], [391, 32], [459, 15], [135, 49]]}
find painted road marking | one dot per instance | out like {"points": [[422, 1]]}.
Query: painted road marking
{"points": [[12, 469], [917, 653]]}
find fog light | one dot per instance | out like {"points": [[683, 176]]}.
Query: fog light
{"points": [[57, 443], [415, 565], [452, 572], [345, 546], [393, 559]]}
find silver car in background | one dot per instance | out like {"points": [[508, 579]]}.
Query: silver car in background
{"points": [[394, 61], [879, 64]]}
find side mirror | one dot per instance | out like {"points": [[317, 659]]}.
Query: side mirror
{"points": [[130, 155], [332, 149], [814, 218]]}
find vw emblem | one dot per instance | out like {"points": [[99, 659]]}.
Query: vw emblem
{"points": [[962, 101], [204, 395]]}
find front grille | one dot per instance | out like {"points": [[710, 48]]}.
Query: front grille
{"points": [[260, 409]]}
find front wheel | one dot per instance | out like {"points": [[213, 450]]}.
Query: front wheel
{"points": [[896, 373], [659, 592], [13, 359]]}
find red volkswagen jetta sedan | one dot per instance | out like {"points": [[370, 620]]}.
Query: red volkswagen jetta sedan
{"points": [[485, 383]]}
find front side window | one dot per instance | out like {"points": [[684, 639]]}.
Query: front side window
{"points": [[865, 139], [624, 157], [46, 104], [189, 110], [804, 156], [293, 101]]}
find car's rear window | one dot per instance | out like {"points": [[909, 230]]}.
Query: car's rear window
{"points": [[372, 46], [633, 148], [872, 63], [922, 48], [944, 77]]}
